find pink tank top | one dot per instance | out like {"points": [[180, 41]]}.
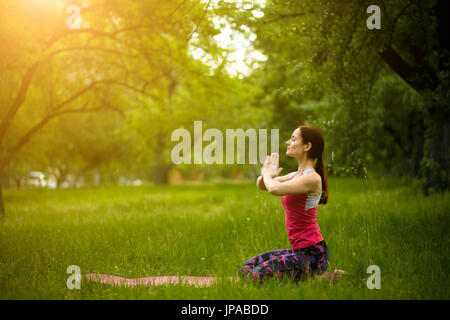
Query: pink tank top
{"points": [[301, 218]]}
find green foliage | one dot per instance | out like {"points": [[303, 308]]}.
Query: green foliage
{"points": [[130, 67], [133, 62], [327, 68]]}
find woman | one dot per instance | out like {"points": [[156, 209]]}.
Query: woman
{"points": [[301, 192]]}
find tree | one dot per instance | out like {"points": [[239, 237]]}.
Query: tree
{"points": [[122, 45], [327, 50]]}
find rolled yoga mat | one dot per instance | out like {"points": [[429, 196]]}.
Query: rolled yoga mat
{"points": [[150, 281]]}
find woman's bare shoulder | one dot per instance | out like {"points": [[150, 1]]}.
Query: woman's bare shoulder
{"points": [[318, 182], [314, 176]]}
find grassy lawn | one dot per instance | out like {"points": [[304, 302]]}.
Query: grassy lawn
{"points": [[210, 230]]}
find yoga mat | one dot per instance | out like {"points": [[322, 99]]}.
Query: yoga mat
{"points": [[150, 281]]}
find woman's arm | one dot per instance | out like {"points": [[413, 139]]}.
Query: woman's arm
{"points": [[260, 181], [304, 184]]}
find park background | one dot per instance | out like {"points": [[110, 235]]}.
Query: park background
{"points": [[86, 176]]}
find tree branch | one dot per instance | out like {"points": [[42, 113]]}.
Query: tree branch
{"points": [[280, 16], [53, 53], [412, 76], [26, 137], [395, 20], [198, 24], [19, 100]]}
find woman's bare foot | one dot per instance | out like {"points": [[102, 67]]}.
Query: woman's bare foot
{"points": [[337, 273]]}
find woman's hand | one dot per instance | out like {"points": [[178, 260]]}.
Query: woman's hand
{"points": [[270, 166]]}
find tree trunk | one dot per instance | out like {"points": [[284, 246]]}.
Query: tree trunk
{"points": [[161, 168], [82, 173], [161, 173], [437, 166], [18, 181], [60, 175], [2, 205]]}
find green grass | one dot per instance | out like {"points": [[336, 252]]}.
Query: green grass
{"points": [[210, 230]]}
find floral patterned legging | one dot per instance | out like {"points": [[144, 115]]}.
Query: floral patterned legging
{"points": [[296, 263]]}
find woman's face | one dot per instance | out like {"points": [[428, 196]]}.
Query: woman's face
{"points": [[295, 146]]}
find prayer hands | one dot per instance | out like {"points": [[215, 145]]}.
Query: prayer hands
{"points": [[270, 166]]}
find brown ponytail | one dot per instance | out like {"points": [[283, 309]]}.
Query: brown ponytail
{"points": [[311, 134], [320, 169]]}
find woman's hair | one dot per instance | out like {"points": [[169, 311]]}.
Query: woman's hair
{"points": [[311, 134]]}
